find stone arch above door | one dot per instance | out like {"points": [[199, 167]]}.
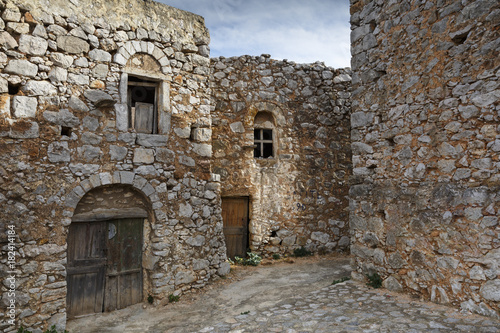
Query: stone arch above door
{"points": [[120, 178], [130, 48]]}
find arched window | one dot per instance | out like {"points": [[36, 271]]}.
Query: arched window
{"points": [[264, 135]]}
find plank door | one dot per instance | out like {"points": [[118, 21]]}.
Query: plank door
{"points": [[124, 268], [235, 217], [86, 268]]}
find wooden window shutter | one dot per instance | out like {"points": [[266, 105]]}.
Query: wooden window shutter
{"points": [[144, 117]]}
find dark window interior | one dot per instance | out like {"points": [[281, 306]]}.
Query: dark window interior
{"points": [[263, 143]]}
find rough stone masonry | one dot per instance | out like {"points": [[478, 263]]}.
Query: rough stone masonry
{"points": [[426, 148], [69, 152]]}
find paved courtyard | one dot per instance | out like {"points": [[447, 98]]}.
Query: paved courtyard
{"points": [[291, 298]]}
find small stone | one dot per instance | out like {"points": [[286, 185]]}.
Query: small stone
{"points": [[61, 60]]}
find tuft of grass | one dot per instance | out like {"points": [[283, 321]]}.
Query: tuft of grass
{"points": [[374, 280], [172, 298], [252, 260], [276, 256], [301, 252], [245, 313], [345, 278], [52, 329], [150, 299]]}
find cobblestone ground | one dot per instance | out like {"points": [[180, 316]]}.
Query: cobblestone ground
{"points": [[292, 297], [352, 307]]}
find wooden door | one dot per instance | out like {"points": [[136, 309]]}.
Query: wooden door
{"points": [[86, 268], [235, 217], [104, 270], [124, 264]]}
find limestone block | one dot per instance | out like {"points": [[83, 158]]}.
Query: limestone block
{"points": [[39, 88], [100, 71], [185, 210], [7, 41], [11, 13], [59, 152], [361, 119], [237, 127], [64, 118], [100, 55], [491, 290], [22, 68], [56, 30], [142, 155], [18, 28], [224, 269], [77, 104], [23, 129], [151, 140], [320, 237], [5, 105], [184, 133], [165, 155], [196, 241], [81, 169], [58, 75], [121, 113], [203, 149], [79, 79], [62, 60], [117, 153], [99, 98], [33, 45], [24, 107], [89, 152], [184, 277], [73, 45]]}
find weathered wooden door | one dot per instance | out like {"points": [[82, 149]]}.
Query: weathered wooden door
{"points": [[104, 270], [124, 268], [235, 217], [86, 268]]}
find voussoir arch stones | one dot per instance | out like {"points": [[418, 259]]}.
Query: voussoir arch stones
{"points": [[272, 108], [121, 178], [130, 48]]}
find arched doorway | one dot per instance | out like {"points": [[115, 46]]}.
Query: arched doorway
{"points": [[105, 243]]}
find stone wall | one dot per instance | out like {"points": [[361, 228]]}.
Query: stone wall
{"points": [[425, 141], [298, 197], [65, 135]]}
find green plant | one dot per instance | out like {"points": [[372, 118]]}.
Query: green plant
{"points": [[253, 259], [52, 329], [150, 299], [345, 278], [173, 298], [276, 256], [245, 313], [301, 252], [374, 280]]}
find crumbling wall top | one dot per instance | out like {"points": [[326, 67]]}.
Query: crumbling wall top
{"points": [[123, 14]]}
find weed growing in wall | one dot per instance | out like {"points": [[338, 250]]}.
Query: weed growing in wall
{"points": [[374, 280], [253, 259], [301, 252]]}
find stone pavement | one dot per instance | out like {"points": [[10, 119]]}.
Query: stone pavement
{"points": [[352, 307], [289, 297]]}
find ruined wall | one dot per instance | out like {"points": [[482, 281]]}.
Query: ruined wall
{"points": [[425, 133], [298, 197], [65, 132]]}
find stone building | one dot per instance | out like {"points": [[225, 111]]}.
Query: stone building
{"points": [[110, 196], [425, 143], [281, 145], [110, 184]]}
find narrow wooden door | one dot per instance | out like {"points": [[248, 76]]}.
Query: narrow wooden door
{"points": [[124, 265], [235, 217], [86, 268]]}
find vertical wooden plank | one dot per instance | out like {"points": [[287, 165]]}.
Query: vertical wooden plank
{"points": [[85, 270], [144, 117]]}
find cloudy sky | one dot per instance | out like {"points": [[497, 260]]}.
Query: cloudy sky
{"points": [[303, 31]]}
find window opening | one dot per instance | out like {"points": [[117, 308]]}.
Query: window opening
{"points": [[143, 105], [263, 143]]}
